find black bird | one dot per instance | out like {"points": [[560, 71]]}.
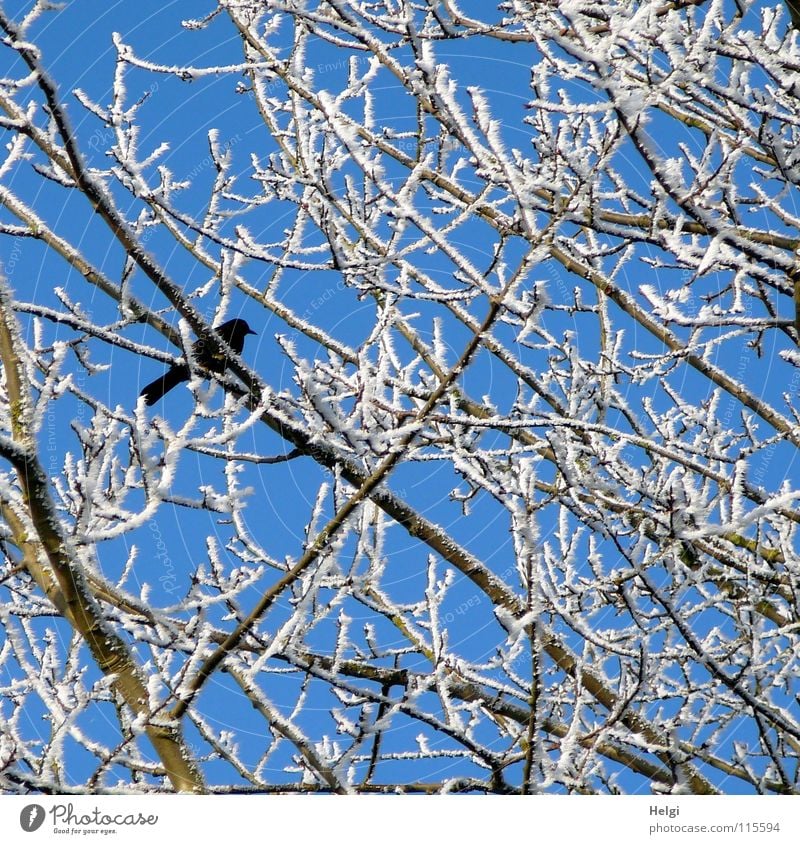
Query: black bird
{"points": [[232, 332]]}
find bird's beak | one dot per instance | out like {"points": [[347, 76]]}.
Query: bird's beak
{"points": [[250, 331]]}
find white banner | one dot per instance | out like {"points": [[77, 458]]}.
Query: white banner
{"points": [[401, 819]]}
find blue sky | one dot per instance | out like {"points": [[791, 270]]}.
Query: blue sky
{"points": [[77, 49]]}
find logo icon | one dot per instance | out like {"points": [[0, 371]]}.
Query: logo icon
{"points": [[31, 817]]}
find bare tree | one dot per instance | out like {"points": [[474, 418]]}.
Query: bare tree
{"points": [[506, 497]]}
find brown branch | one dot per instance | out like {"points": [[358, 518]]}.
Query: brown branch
{"points": [[48, 554]]}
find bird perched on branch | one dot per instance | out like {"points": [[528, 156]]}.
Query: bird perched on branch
{"points": [[232, 332]]}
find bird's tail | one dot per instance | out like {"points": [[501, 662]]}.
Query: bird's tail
{"points": [[171, 378]]}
